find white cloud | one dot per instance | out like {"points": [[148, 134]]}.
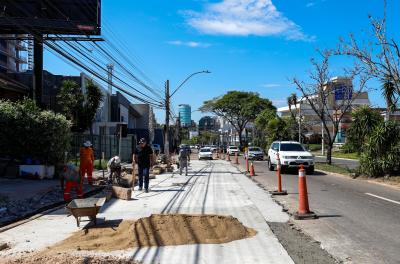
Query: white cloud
{"points": [[244, 18], [191, 44], [270, 85]]}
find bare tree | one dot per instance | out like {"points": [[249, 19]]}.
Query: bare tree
{"points": [[378, 57], [330, 104]]}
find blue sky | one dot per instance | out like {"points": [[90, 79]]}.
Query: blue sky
{"points": [[248, 45]]}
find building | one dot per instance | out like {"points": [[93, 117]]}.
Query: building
{"points": [[209, 123], [185, 115], [13, 59], [338, 88]]}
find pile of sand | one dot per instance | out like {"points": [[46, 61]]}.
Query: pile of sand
{"points": [[158, 230], [68, 259]]}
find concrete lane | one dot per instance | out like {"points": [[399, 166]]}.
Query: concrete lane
{"points": [[359, 221]]}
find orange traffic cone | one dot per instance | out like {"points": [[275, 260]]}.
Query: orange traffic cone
{"points": [[278, 173], [252, 173], [247, 165], [236, 159], [228, 157], [304, 210]]}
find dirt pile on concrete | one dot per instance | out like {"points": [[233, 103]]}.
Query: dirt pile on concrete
{"points": [[68, 259], [158, 230]]}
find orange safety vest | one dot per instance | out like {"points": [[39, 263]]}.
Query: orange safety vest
{"points": [[86, 155]]}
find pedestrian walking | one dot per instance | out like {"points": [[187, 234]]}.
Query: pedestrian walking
{"points": [[184, 158], [143, 157], [86, 162]]}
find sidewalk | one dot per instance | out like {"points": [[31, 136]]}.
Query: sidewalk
{"points": [[210, 188]]}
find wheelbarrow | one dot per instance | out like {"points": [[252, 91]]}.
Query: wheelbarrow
{"points": [[88, 207]]}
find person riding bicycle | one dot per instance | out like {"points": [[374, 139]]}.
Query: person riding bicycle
{"points": [[113, 165], [184, 158]]}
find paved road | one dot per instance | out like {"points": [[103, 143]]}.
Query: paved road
{"points": [[346, 163], [359, 221]]}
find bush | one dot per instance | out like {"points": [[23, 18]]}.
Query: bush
{"points": [[381, 154], [28, 132]]}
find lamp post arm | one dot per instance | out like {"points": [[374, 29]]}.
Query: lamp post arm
{"points": [[190, 76]]}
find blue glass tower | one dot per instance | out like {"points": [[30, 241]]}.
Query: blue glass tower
{"points": [[185, 113]]}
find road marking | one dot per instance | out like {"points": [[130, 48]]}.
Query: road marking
{"points": [[383, 198]]}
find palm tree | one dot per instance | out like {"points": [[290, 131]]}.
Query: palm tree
{"points": [[292, 100]]}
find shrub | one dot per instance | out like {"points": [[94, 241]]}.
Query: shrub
{"points": [[28, 132], [381, 154]]}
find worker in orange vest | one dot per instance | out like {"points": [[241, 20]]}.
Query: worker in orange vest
{"points": [[86, 164], [72, 180]]}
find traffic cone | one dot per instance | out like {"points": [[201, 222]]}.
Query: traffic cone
{"points": [[236, 159], [217, 154], [252, 173], [304, 210], [278, 174], [247, 165], [228, 157]]}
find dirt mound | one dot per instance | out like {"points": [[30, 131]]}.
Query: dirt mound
{"points": [[68, 259], [158, 230]]}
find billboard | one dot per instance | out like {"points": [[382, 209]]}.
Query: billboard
{"points": [[343, 92], [72, 17]]}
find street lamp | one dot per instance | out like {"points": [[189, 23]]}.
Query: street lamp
{"points": [[167, 110]]}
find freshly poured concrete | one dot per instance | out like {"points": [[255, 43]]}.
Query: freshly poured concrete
{"points": [[212, 187]]}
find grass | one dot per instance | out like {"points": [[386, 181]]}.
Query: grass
{"points": [[338, 154], [314, 147], [332, 168]]}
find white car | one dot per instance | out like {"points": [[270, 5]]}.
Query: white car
{"points": [[232, 150], [291, 154], [205, 153], [255, 153]]}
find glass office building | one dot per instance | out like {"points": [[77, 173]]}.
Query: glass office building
{"points": [[185, 114]]}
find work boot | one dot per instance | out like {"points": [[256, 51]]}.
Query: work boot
{"points": [[146, 191], [140, 188]]}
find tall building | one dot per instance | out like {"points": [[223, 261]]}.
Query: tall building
{"points": [[12, 56], [185, 114]]}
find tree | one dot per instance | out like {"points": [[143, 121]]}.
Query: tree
{"points": [[79, 108], [238, 108], [279, 129], [364, 122], [320, 95], [261, 123], [380, 58]]}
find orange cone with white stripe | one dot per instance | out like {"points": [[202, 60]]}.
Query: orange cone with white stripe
{"points": [[304, 210], [236, 158], [252, 172], [278, 173]]}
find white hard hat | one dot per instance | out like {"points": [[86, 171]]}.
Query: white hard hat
{"points": [[87, 144]]}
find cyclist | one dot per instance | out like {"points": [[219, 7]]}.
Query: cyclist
{"points": [[114, 166]]}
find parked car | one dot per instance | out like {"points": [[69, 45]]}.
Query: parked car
{"points": [[232, 150], [255, 153], [205, 153], [156, 148], [292, 154]]}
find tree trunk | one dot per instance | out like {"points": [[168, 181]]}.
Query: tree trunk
{"points": [[329, 154], [240, 138]]}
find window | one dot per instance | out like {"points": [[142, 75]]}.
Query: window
{"points": [[291, 147], [275, 146]]}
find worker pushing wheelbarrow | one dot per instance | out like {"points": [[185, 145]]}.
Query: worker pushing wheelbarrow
{"points": [[184, 158]]}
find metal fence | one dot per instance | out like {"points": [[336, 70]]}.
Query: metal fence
{"points": [[107, 144]]}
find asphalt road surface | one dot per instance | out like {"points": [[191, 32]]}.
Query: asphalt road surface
{"points": [[359, 221], [345, 163]]}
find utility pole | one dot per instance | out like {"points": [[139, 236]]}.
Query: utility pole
{"points": [[300, 121], [110, 68], [166, 133]]}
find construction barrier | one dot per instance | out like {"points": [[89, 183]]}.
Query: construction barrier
{"points": [[278, 173], [236, 159], [252, 172], [304, 210]]}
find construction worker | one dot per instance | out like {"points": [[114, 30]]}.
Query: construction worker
{"points": [[114, 165], [184, 158], [87, 160], [72, 180]]}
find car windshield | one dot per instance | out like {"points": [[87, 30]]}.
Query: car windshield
{"points": [[254, 149], [205, 150], [291, 147]]}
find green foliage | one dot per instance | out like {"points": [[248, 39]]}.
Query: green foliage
{"points": [[381, 154], [365, 120], [77, 107], [26, 131], [239, 108]]}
